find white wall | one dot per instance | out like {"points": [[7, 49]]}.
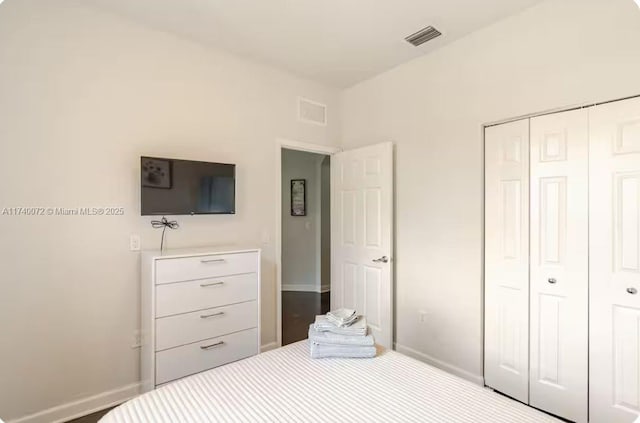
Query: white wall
{"points": [[83, 95], [559, 53], [301, 235]]}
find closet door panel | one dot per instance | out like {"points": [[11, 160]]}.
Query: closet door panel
{"points": [[506, 258], [614, 256], [559, 264]]}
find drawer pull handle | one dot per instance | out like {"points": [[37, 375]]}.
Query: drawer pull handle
{"points": [[212, 261], [206, 316], [208, 347], [632, 291], [552, 280], [204, 285]]}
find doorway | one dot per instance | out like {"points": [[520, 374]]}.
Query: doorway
{"points": [[360, 248], [306, 241]]}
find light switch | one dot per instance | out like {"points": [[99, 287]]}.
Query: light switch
{"points": [[134, 242], [265, 237]]}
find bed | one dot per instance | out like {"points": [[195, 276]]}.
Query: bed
{"points": [[285, 385]]}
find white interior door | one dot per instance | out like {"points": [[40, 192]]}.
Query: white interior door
{"points": [[614, 257], [506, 281], [559, 264], [362, 236]]}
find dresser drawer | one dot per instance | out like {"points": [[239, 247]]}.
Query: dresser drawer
{"points": [[184, 297], [194, 358], [186, 328], [190, 268]]}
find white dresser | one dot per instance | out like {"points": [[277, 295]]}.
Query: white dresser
{"points": [[200, 310]]}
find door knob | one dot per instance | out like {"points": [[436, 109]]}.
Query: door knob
{"points": [[383, 259], [552, 280], [632, 291]]}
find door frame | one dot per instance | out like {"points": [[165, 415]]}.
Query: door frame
{"points": [[287, 144]]}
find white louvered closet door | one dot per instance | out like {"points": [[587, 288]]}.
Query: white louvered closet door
{"points": [[615, 262], [507, 259], [559, 264]]}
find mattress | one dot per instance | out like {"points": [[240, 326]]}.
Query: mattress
{"points": [[285, 385]]}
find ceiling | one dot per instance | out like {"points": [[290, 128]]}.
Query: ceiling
{"points": [[336, 42]]}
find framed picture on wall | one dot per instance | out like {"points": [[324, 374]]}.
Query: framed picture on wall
{"points": [[298, 197]]}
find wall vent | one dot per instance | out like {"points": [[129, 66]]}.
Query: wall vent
{"points": [[312, 112], [422, 36]]}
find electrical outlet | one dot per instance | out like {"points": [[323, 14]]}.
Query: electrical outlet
{"points": [[137, 339], [134, 242], [422, 316]]}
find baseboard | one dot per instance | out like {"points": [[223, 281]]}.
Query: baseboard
{"points": [[440, 364], [299, 288], [268, 347], [82, 407], [88, 405]]}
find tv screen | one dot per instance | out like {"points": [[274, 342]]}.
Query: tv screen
{"points": [[174, 187]]}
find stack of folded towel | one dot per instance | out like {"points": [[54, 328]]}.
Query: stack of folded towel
{"points": [[341, 333]]}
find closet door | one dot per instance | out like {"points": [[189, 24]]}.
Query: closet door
{"points": [[614, 257], [559, 264], [506, 355]]}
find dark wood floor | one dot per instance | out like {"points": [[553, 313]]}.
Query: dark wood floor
{"points": [[299, 310], [91, 418]]}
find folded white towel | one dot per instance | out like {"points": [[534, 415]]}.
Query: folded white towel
{"points": [[337, 339], [341, 351], [357, 328], [342, 323], [342, 316]]}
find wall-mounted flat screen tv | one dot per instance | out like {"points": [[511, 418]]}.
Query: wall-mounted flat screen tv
{"points": [[178, 187]]}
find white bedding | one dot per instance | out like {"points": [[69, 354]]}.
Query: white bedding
{"points": [[285, 385]]}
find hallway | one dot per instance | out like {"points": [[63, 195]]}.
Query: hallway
{"points": [[299, 310]]}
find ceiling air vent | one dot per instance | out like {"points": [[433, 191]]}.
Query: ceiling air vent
{"points": [[312, 112], [422, 36]]}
